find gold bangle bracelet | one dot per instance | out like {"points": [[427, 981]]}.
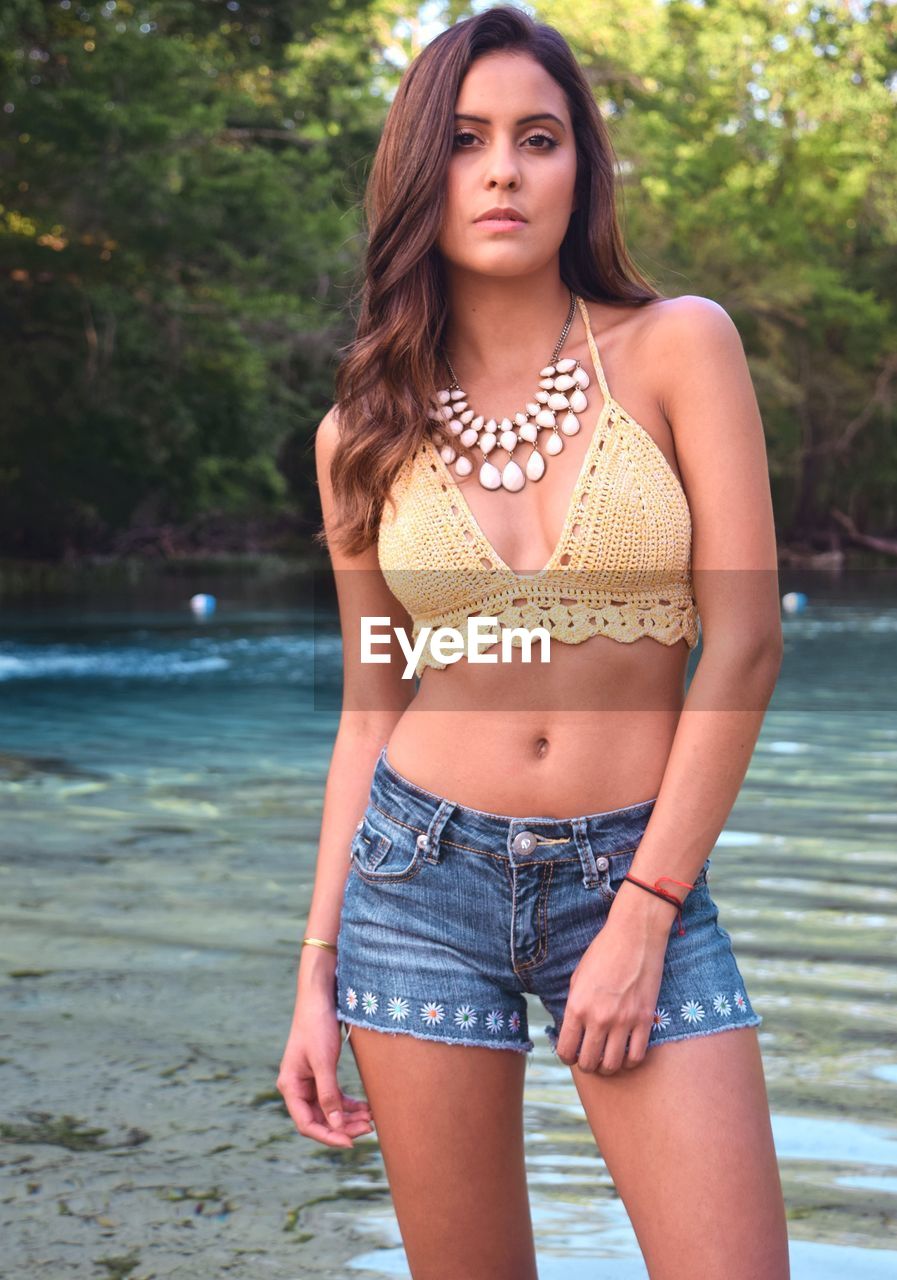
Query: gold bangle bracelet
{"points": [[319, 942]]}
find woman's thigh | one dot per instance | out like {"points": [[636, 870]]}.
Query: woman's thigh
{"points": [[449, 1119], [686, 1137]]}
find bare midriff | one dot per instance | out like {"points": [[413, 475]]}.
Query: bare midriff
{"points": [[589, 731]]}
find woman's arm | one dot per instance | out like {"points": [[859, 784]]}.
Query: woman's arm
{"points": [[712, 408], [374, 698], [710, 403]]}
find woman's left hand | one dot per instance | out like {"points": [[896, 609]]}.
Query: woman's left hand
{"points": [[614, 988]]}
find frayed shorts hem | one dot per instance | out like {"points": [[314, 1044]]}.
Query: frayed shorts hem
{"points": [[753, 1021], [519, 1046]]}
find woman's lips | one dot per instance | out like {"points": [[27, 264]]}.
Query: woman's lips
{"points": [[500, 224]]}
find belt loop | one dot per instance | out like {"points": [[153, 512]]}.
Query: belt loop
{"points": [[590, 876], [431, 841]]}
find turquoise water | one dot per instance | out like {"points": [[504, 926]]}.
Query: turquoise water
{"points": [[160, 790]]}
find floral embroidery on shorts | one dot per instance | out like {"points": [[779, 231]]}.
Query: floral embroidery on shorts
{"points": [[397, 1008], [721, 1005], [432, 1013], [692, 1011], [465, 1017]]}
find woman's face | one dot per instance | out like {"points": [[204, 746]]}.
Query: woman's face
{"points": [[499, 161]]}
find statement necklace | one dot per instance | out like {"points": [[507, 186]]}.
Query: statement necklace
{"points": [[562, 385]]}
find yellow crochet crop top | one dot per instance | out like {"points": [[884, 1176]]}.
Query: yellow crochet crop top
{"points": [[621, 568]]}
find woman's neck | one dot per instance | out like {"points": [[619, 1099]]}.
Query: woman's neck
{"points": [[508, 325]]}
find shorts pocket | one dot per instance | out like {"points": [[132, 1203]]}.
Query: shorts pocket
{"points": [[385, 851]]}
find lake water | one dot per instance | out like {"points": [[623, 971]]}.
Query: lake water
{"points": [[160, 789]]}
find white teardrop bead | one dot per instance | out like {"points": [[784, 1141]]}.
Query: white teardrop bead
{"points": [[508, 440], [564, 381], [466, 416], [535, 466], [578, 401], [521, 419], [570, 424], [532, 408], [565, 365], [469, 437], [582, 377], [488, 442], [505, 425], [512, 477], [447, 453], [547, 383], [553, 445], [458, 407], [463, 466], [542, 397], [557, 401], [547, 372], [457, 394], [477, 422], [448, 411], [443, 396], [491, 424], [529, 431], [490, 476], [545, 418], [455, 427]]}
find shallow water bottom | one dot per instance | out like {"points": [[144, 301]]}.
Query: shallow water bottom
{"points": [[609, 1251]]}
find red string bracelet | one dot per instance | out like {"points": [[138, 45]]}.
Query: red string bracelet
{"points": [[662, 893]]}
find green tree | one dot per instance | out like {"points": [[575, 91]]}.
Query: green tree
{"points": [[758, 148], [177, 192]]}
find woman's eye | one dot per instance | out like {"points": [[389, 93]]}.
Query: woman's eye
{"points": [[542, 137]]}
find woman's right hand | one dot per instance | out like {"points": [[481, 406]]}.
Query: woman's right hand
{"points": [[307, 1077]]}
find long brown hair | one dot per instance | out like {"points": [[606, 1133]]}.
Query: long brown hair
{"points": [[390, 372]]}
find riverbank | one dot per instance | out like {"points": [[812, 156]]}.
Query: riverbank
{"points": [[32, 579]]}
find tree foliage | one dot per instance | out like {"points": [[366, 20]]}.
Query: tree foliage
{"points": [[758, 143], [180, 226]]}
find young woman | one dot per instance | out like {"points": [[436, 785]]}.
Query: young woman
{"points": [[519, 826]]}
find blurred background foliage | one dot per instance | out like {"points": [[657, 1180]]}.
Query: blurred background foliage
{"points": [[180, 230]]}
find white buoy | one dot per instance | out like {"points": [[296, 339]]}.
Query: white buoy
{"points": [[203, 606], [794, 602]]}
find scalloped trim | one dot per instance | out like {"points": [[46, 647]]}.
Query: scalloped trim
{"points": [[574, 623]]}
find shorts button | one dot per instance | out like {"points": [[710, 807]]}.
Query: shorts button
{"points": [[422, 841], [602, 863], [523, 842]]}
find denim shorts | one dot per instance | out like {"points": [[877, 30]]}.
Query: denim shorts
{"points": [[451, 914]]}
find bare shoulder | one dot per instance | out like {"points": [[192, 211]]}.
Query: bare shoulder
{"points": [[694, 350], [327, 436], [689, 319]]}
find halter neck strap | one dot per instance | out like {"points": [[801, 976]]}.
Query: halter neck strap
{"points": [[596, 359]]}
